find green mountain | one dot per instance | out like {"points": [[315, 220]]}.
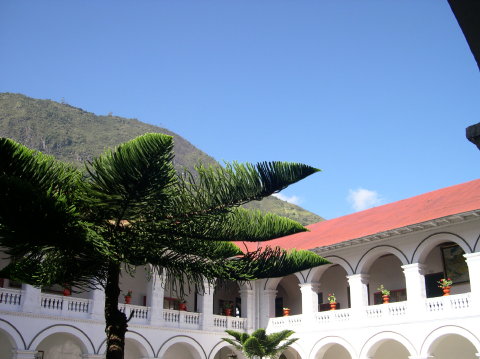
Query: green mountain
{"points": [[74, 135]]}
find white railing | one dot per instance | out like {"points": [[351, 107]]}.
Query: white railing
{"points": [[291, 321], [382, 314], [65, 305], [449, 305], [10, 298], [137, 313], [221, 322]]}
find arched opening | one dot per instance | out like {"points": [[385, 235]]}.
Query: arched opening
{"points": [[181, 350], [288, 296], [452, 346], [386, 270], [389, 349], [290, 353], [227, 300], [61, 346], [176, 299], [333, 351], [133, 281], [134, 350], [334, 281], [446, 260], [228, 352], [6, 345]]}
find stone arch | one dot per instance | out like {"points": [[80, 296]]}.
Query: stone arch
{"points": [[433, 240], [476, 245], [137, 339], [272, 283], [293, 349], [341, 262], [191, 344], [369, 257], [321, 347], [83, 339], [316, 273], [373, 344], [218, 347], [13, 334], [441, 332]]}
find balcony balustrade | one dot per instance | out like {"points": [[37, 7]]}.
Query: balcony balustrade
{"points": [[452, 306]]}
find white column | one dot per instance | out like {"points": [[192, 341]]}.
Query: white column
{"points": [[267, 306], [473, 263], [248, 306], [205, 305], [415, 282], [23, 354], [309, 298], [358, 290], [97, 311], [30, 299], [155, 295]]}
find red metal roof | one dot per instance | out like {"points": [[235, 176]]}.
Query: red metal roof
{"points": [[428, 206]]}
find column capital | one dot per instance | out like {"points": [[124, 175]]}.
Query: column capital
{"points": [[362, 277], [314, 286], [270, 292], [415, 268], [472, 257], [23, 354]]}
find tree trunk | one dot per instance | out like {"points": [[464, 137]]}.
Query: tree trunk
{"points": [[115, 320]]}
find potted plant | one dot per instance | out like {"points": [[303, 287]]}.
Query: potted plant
{"points": [[227, 308], [128, 297], [67, 290], [445, 284], [182, 304], [286, 312], [332, 300], [385, 294]]}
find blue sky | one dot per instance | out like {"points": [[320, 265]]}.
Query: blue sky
{"points": [[376, 93]]}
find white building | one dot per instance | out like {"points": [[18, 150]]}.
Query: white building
{"points": [[407, 246]]}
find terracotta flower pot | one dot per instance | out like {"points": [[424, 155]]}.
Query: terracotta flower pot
{"points": [[286, 312], [446, 291], [66, 292], [386, 299], [182, 306], [128, 299], [333, 306], [228, 312]]}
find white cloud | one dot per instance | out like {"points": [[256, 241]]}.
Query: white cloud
{"points": [[362, 198], [292, 199]]}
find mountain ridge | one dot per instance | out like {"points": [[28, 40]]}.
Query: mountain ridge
{"points": [[74, 135]]}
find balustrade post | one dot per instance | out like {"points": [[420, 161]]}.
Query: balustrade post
{"points": [[473, 263], [155, 296], [205, 304], [31, 298], [416, 293], [248, 307]]}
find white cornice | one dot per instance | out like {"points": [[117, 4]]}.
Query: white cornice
{"points": [[437, 222]]}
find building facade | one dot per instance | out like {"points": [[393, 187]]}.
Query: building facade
{"points": [[406, 247]]}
